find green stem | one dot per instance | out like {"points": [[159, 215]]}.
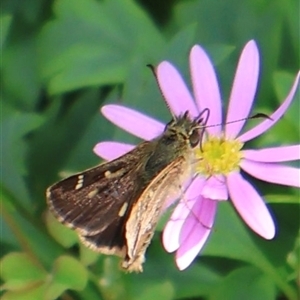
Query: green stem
{"points": [[268, 268], [18, 234], [31, 235]]}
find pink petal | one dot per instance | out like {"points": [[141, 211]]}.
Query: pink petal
{"points": [[272, 172], [250, 205], [205, 86], [195, 231], [112, 150], [243, 90], [132, 121], [266, 124], [170, 236], [174, 90], [172, 229], [215, 188], [275, 154]]}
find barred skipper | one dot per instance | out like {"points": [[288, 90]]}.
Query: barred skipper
{"points": [[114, 207]]}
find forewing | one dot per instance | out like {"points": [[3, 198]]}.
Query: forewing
{"points": [[92, 202]]}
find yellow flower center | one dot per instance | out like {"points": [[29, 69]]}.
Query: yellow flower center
{"points": [[218, 156]]}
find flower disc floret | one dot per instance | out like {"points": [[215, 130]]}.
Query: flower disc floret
{"points": [[218, 156]]}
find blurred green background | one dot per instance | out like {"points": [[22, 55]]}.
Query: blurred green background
{"points": [[60, 62]]}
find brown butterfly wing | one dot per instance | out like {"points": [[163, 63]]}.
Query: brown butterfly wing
{"points": [[90, 202]]}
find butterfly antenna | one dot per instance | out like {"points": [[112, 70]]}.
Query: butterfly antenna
{"points": [[202, 120], [152, 68], [255, 116], [203, 117]]}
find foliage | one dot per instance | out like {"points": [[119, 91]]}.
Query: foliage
{"points": [[61, 61]]}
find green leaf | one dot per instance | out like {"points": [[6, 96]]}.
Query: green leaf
{"points": [[15, 126], [282, 81], [246, 283], [68, 273], [18, 270], [165, 289], [177, 50], [233, 240], [230, 238], [289, 124], [160, 268], [107, 33], [21, 83], [64, 235], [36, 292], [290, 12], [87, 256], [220, 52], [5, 21], [55, 141], [293, 260], [141, 92], [97, 128]]}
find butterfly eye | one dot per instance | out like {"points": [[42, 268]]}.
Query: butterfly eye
{"points": [[194, 138]]}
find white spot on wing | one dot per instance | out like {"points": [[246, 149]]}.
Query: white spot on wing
{"points": [[93, 193], [123, 209], [79, 182], [107, 174]]}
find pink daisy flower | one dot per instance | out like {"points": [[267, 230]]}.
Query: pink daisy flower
{"points": [[217, 173]]}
